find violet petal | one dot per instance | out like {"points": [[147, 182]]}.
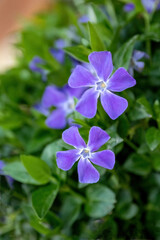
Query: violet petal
{"points": [[87, 105], [105, 159], [86, 172], [120, 81], [66, 159], [72, 137], [57, 119], [52, 97], [97, 138], [81, 77], [113, 105], [102, 63]]}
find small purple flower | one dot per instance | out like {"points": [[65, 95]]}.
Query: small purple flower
{"points": [[34, 65], [8, 178], [101, 84], [129, 7], [86, 154], [151, 5], [58, 52], [135, 63], [63, 100], [83, 19]]}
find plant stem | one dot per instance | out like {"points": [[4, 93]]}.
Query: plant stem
{"points": [[132, 145]]}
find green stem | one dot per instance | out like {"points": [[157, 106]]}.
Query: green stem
{"points": [[132, 145]]}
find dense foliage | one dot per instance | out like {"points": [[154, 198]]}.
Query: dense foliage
{"points": [[44, 202]]}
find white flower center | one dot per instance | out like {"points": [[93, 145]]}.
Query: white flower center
{"points": [[101, 86], [85, 153], [69, 106]]}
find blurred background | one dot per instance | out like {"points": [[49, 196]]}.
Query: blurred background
{"points": [[13, 14]]}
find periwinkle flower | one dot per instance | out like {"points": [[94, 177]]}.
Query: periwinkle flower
{"points": [[8, 178], [34, 65], [129, 7], [84, 19], [63, 100], [86, 154], [135, 63], [102, 85], [151, 5], [58, 52]]}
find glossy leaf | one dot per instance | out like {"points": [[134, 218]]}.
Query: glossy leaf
{"points": [[37, 168]]}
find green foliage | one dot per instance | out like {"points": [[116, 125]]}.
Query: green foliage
{"points": [[37, 168], [18, 172], [42, 199], [95, 41], [100, 201], [78, 52]]}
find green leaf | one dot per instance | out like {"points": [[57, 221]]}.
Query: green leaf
{"points": [[17, 171], [138, 164], [123, 55], [153, 138], [42, 199], [95, 41], [143, 101], [35, 221], [98, 16], [115, 139], [100, 201], [127, 211], [156, 161], [37, 168], [141, 110], [78, 52], [70, 210]]}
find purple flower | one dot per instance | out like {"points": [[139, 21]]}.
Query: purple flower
{"points": [[129, 7], [135, 63], [101, 84], [58, 52], [8, 178], [151, 5], [34, 65], [86, 154], [63, 100], [83, 19]]}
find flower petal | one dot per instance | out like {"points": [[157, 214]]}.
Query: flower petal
{"points": [[87, 105], [129, 7], [137, 55], [74, 92], [72, 137], [57, 119], [58, 54], [149, 5], [105, 159], [81, 77], [52, 97], [66, 159], [120, 81], [139, 66], [113, 105], [86, 172], [102, 63], [38, 107], [97, 137]]}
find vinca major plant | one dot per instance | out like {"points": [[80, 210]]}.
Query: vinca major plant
{"points": [[80, 124]]}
